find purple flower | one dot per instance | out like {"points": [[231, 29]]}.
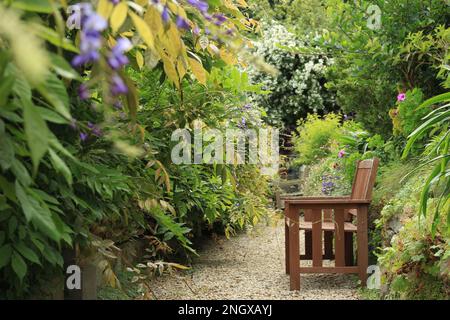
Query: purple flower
{"points": [[219, 18], [182, 23], [229, 32], [165, 14], [247, 106], [116, 58], [401, 97], [114, 2], [118, 86], [94, 22], [342, 153], [90, 125], [196, 31], [201, 6], [90, 40], [243, 123], [207, 16], [83, 92], [83, 136]]}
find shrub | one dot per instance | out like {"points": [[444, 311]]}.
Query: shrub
{"points": [[316, 136], [298, 89]]}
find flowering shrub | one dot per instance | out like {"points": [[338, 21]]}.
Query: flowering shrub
{"points": [[85, 126], [298, 89]]}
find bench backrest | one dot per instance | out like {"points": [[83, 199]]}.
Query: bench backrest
{"points": [[366, 173]]}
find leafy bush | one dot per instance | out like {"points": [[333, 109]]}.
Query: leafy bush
{"points": [[316, 137], [370, 55], [85, 149], [298, 88]]}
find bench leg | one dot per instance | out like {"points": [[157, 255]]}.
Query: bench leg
{"points": [[363, 246], [286, 243], [349, 260], [328, 243], [294, 248]]}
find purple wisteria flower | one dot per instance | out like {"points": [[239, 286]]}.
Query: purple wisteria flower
{"points": [[117, 58], [201, 6], [90, 39], [229, 32], [219, 19], [118, 86], [401, 97], [182, 23], [96, 131], [243, 123], [83, 92], [196, 30], [327, 184], [83, 136], [165, 14]]}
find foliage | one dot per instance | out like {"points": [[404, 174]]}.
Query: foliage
{"points": [[316, 136], [416, 265], [85, 150], [370, 54], [332, 148], [298, 88], [304, 17], [437, 154]]}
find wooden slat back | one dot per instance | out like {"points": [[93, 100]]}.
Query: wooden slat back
{"points": [[366, 173]]}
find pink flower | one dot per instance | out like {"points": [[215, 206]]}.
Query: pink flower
{"points": [[401, 97], [341, 153]]}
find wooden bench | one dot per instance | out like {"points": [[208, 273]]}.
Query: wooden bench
{"points": [[327, 219]]}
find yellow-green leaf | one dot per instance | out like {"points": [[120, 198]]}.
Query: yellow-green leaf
{"points": [[104, 8], [143, 29], [139, 59], [198, 70], [118, 16], [171, 71]]}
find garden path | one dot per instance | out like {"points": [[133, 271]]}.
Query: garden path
{"points": [[249, 266]]}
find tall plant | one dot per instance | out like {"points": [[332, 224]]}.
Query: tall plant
{"points": [[437, 154]]}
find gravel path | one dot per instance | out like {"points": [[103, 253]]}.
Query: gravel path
{"points": [[249, 266]]}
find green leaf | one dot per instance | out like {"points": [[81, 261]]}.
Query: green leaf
{"points": [[21, 172], [6, 86], [51, 116], [63, 68], [18, 265], [42, 6], [53, 37], [55, 93], [27, 206], [21, 86], [434, 100], [40, 217], [36, 132], [60, 166], [5, 255], [6, 151], [132, 99], [27, 253]]}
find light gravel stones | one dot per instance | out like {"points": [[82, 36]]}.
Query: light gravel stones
{"points": [[250, 266]]}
